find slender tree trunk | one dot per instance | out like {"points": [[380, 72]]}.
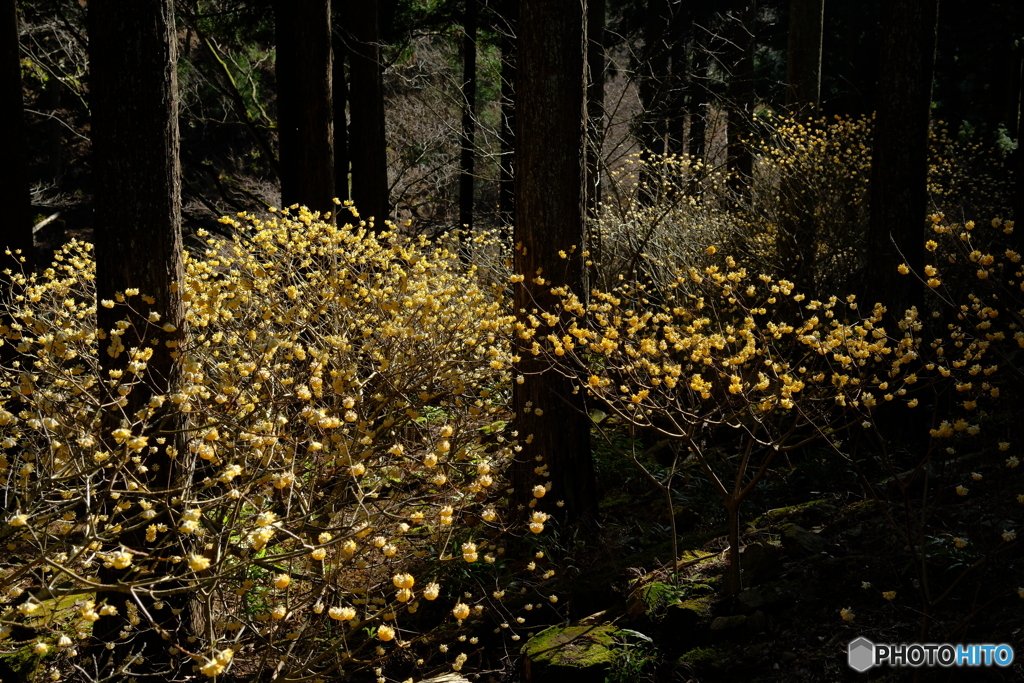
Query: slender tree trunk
{"points": [[741, 96], [339, 89], [596, 67], [550, 416], [367, 141], [14, 189], [899, 170], [133, 92], [305, 117], [803, 59], [507, 44], [466, 140]]}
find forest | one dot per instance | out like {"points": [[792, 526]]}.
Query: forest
{"points": [[572, 341]]}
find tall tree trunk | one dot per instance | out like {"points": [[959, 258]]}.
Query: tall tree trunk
{"points": [[679, 53], [1013, 120], [339, 89], [551, 419], [899, 168], [466, 140], [367, 141], [596, 67], [654, 86], [14, 188], [137, 218], [799, 241], [803, 56], [700, 93], [305, 117], [741, 95], [507, 44]]}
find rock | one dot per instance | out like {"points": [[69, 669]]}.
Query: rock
{"points": [[756, 623], [570, 654], [749, 601], [728, 628], [800, 542], [738, 626], [777, 596], [685, 621], [760, 562], [751, 556], [705, 661]]}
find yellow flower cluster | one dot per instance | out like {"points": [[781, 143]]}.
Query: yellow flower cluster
{"points": [[333, 382]]}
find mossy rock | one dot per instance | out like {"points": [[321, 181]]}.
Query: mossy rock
{"points": [[685, 621], [800, 542], [706, 661], [570, 654], [812, 510]]}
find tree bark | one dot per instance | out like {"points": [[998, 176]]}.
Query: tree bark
{"points": [[339, 89], [596, 67], [14, 187], [305, 117], [507, 44], [550, 416], [899, 168], [466, 139], [740, 66], [799, 241], [137, 218], [803, 58], [679, 53], [700, 93], [653, 87], [367, 142]]}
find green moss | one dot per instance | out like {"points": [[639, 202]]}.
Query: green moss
{"points": [[23, 662], [705, 660], [780, 514], [699, 607], [578, 647]]}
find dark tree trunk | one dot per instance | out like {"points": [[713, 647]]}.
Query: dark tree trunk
{"points": [[700, 93], [740, 65], [367, 142], [654, 86], [305, 117], [899, 168], [699, 100], [14, 188], [339, 50], [799, 242], [1013, 121], [551, 419], [466, 140], [138, 244], [679, 52], [507, 44], [803, 59], [596, 66]]}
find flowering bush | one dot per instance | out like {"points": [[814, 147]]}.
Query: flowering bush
{"points": [[334, 386]]}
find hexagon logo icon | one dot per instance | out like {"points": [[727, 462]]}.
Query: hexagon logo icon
{"points": [[861, 654]]}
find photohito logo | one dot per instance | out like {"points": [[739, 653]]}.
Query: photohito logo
{"points": [[863, 654]]}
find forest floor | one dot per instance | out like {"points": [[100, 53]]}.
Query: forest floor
{"points": [[804, 563]]}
